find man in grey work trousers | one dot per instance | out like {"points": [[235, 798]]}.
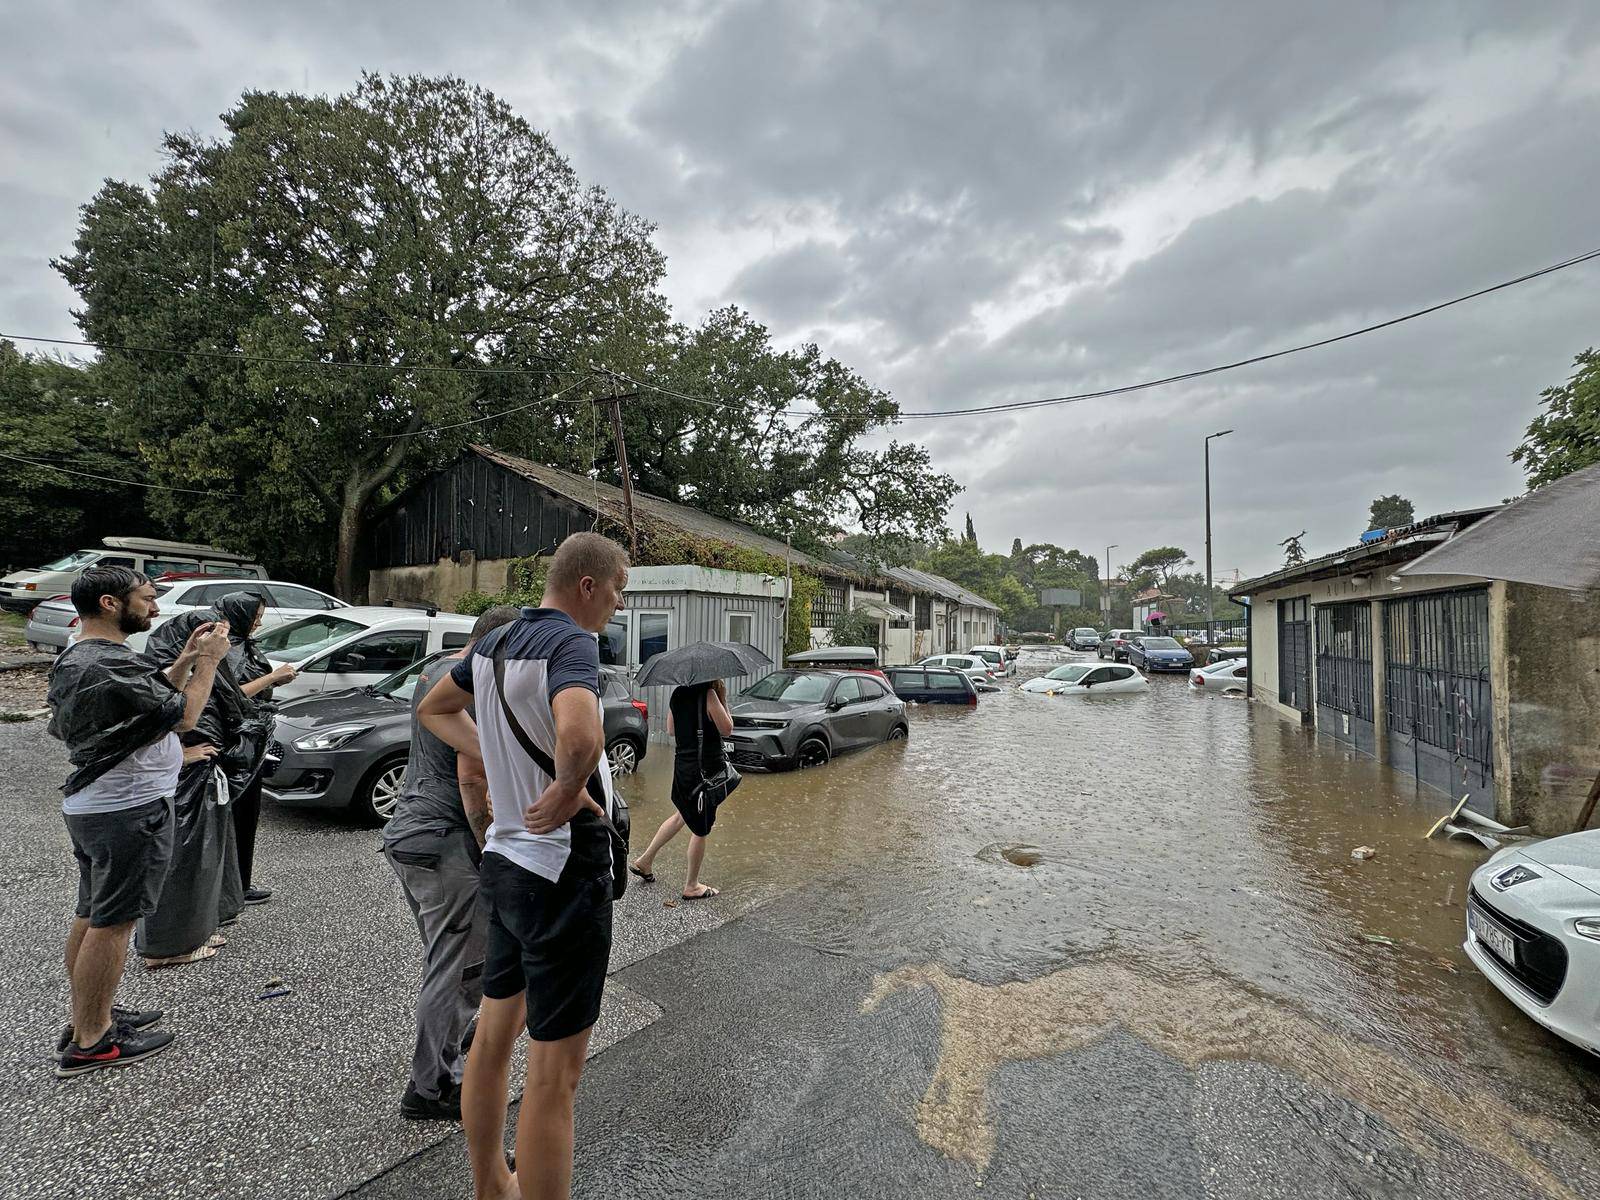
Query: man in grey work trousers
{"points": [[433, 842]]}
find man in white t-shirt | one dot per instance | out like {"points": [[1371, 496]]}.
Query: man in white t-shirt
{"points": [[120, 717], [546, 873]]}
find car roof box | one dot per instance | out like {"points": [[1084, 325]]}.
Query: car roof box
{"points": [[835, 656], [157, 546]]}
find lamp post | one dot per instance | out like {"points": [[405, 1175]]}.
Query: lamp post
{"points": [[1210, 620], [1107, 602]]}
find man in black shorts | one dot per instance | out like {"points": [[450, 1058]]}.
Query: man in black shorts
{"points": [[119, 716], [546, 875]]}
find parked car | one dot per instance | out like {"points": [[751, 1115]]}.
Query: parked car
{"points": [[1084, 638], [1115, 644], [1081, 679], [349, 749], [355, 646], [1228, 675], [22, 590], [1533, 929], [803, 718], [1223, 653], [932, 685], [837, 658], [52, 622], [980, 670], [997, 658], [1158, 654]]}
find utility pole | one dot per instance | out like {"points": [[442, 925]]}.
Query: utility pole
{"points": [[1105, 603], [1210, 619], [614, 403]]}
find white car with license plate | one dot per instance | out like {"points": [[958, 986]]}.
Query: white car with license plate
{"points": [[978, 669], [356, 646], [1086, 679], [1533, 929], [1231, 675]]}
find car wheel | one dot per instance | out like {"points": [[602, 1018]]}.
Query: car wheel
{"points": [[813, 752], [379, 793], [898, 733], [623, 755]]}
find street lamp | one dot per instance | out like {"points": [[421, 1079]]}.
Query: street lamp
{"points": [[1107, 602], [1210, 620]]}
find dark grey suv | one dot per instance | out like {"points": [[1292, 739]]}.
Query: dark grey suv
{"points": [[349, 749], [804, 718]]}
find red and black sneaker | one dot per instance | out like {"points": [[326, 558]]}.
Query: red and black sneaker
{"points": [[133, 1018], [120, 1047]]}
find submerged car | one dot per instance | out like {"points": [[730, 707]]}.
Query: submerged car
{"points": [[932, 685], [1533, 929], [1158, 654], [1226, 675], [349, 749], [1003, 664], [976, 668], [1080, 679], [803, 718]]}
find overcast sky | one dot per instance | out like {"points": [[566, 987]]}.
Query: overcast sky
{"points": [[974, 203]]}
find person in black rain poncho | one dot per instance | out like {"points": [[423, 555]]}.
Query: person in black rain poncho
{"points": [[256, 676], [203, 888]]}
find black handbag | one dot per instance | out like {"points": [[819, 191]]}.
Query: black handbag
{"points": [[618, 824], [716, 787]]}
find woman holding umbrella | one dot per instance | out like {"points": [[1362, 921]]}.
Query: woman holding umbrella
{"points": [[698, 719]]}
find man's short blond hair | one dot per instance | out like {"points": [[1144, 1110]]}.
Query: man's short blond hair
{"points": [[585, 554]]}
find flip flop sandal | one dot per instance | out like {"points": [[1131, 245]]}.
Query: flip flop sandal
{"points": [[647, 876], [217, 940], [178, 960], [705, 895]]}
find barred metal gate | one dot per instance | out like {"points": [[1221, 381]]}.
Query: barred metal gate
{"points": [[1436, 681], [1294, 653], [1344, 674]]}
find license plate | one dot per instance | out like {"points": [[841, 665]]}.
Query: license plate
{"points": [[1492, 935]]}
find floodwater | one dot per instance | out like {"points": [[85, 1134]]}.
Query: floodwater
{"points": [[1173, 864]]}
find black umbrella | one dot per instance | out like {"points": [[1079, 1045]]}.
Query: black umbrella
{"points": [[701, 663]]}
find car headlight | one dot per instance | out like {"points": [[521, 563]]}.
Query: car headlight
{"points": [[1512, 876], [1588, 927], [331, 739], [761, 723]]}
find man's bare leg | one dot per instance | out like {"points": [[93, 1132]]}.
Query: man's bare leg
{"points": [[668, 831], [483, 1095], [75, 932], [96, 971], [544, 1123]]}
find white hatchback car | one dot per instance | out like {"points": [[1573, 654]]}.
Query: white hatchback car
{"points": [[1085, 679], [996, 657], [1230, 675], [1533, 929], [355, 646], [980, 670]]}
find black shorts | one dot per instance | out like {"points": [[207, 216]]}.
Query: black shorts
{"points": [[122, 858], [551, 941]]}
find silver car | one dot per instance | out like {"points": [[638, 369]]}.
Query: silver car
{"points": [[803, 718]]}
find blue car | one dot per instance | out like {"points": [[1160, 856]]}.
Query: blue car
{"points": [[932, 685], [1158, 654]]}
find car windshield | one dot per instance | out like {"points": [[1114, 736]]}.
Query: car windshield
{"points": [[72, 561], [1159, 643], [1070, 674], [1084, 632], [993, 656], [402, 685], [795, 687], [299, 640]]}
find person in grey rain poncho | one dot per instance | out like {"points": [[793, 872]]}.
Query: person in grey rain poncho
{"points": [[203, 887]]}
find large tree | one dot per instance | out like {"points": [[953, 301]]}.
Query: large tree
{"points": [[1390, 512], [1566, 436], [60, 468], [1158, 568], [412, 222]]}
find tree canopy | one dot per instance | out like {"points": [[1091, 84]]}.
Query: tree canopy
{"points": [[1566, 435], [1390, 512], [1157, 568]]}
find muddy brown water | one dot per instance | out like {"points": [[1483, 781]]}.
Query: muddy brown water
{"points": [[1193, 842]]}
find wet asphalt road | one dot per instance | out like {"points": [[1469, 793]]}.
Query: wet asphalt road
{"points": [[1175, 1000]]}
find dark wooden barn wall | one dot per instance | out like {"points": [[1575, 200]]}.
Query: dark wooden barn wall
{"points": [[473, 505]]}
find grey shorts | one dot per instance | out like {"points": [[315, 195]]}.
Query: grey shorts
{"points": [[122, 861]]}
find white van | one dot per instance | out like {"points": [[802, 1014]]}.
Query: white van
{"points": [[21, 590]]}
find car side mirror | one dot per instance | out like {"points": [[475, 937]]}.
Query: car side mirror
{"points": [[836, 705], [351, 661]]}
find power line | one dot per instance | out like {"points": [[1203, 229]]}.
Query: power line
{"points": [[160, 487]]}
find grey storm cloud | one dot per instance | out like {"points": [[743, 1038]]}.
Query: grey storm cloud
{"points": [[975, 204]]}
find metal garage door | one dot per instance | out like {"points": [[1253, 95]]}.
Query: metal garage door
{"points": [[1294, 653], [1344, 674]]}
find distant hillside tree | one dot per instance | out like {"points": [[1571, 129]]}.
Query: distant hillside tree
{"points": [[1566, 436]]}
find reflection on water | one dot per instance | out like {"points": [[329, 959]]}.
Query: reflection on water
{"points": [[1195, 833]]}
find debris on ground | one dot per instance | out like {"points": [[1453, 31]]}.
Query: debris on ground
{"points": [[275, 987], [1377, 939], [1018, 854], [22, 689], [1361, 853], [1462, 822]]}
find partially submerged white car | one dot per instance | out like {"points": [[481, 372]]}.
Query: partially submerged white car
{"points": [[1533, 929], [1083, 679], [1230, 675]]}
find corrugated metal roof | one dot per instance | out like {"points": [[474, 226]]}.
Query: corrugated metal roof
{"points": [[938, 585]]}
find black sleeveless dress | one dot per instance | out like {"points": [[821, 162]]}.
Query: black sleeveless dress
{"points": [[692, 760]]}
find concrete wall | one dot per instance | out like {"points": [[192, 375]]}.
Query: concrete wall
{"points": [[1550, 725], [443, 583]]}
